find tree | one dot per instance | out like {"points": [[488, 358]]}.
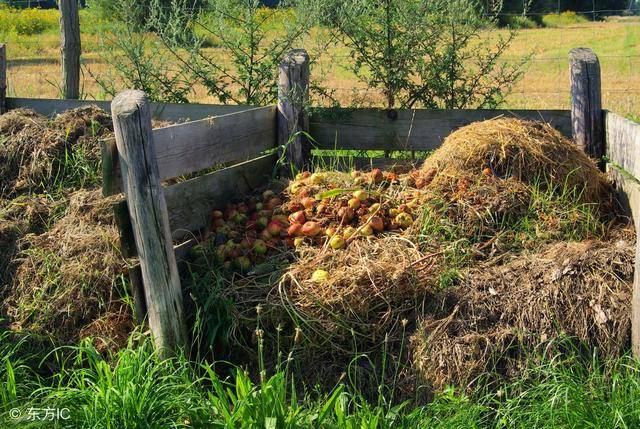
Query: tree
{"points": [[426, 52]]}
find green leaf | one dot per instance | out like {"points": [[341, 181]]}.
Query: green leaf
{"points": [[332, 193]]}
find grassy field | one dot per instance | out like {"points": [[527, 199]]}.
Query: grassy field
{"points": [[34, 64]]}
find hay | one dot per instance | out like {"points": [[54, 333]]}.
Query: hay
{"points": [[35, 151], [528, 151], [371, 287], [18, 217], [511, 308], [68, 276], [14, 121]]}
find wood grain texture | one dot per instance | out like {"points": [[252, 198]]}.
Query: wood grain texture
{"points": [[194, 146], [70, 48], [628, 189], [293, 118], [175, 112], [586, 102], [135, 276], [372, 129], [149, 219], [3, 78], [191, 203], [622, 142]]}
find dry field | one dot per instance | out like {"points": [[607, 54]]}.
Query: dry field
{"points": [[34, 67]]}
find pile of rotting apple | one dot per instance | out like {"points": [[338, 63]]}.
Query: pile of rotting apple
{"points": [[505, 240]]}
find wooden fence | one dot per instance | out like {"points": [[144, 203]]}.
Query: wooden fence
{"points": [[226, 152]]}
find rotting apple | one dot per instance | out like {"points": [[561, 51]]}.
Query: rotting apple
{"points": [[311, 229]]}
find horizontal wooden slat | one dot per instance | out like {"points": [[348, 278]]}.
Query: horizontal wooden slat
{"points": [[628, 189], [190, 203], [372, 129], [194, 146], [159, 111], [622, 138]]}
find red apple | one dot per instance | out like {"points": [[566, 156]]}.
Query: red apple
{"points": [[295, 230], [298, 217]]}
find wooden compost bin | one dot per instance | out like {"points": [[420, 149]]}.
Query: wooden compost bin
{"points": [[160, 219]]}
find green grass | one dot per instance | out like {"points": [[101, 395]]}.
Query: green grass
{"points": [[135, 389]]}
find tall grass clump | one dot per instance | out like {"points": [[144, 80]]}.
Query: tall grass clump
{"points": [[574, 393], [564, 19], [18, 379], [134, 388]]}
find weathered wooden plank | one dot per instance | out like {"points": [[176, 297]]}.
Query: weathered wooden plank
{"points": [[628, 188], [150, 220], [586, 102], [190, 203], [125, 229], [70, 48], [194, 146], [110, 168], [137, 287], [622, 138], [372, 129], [160, 111], [293, 118]]}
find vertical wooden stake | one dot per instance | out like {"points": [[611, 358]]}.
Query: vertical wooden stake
{"points": [[293, 99], [3, 78], [587, 119], [70, 48], [150, 219]]}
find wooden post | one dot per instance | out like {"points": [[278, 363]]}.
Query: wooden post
{"points": [[150, 219], [293, 98], [3, 78], [587, 119], [70, 48]]}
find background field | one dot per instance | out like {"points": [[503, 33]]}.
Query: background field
{"points": [[34, 64]]}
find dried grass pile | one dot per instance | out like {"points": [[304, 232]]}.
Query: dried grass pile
{"points": [[369, 289], [18, 217], [68, 277], [35, 151], [528, 151], [513, 307]]}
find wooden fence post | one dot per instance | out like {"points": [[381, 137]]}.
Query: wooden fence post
{"points": [[150, 219], [293, 117], [3, 78], [70, 48], [587, 119]]}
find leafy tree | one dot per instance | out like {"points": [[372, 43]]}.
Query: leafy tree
{"points": [[426, 52], [231, 48], [137, 60]]}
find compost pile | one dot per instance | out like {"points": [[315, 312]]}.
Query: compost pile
{"points": [[339, 264], [60, 267], [36, 151]]}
